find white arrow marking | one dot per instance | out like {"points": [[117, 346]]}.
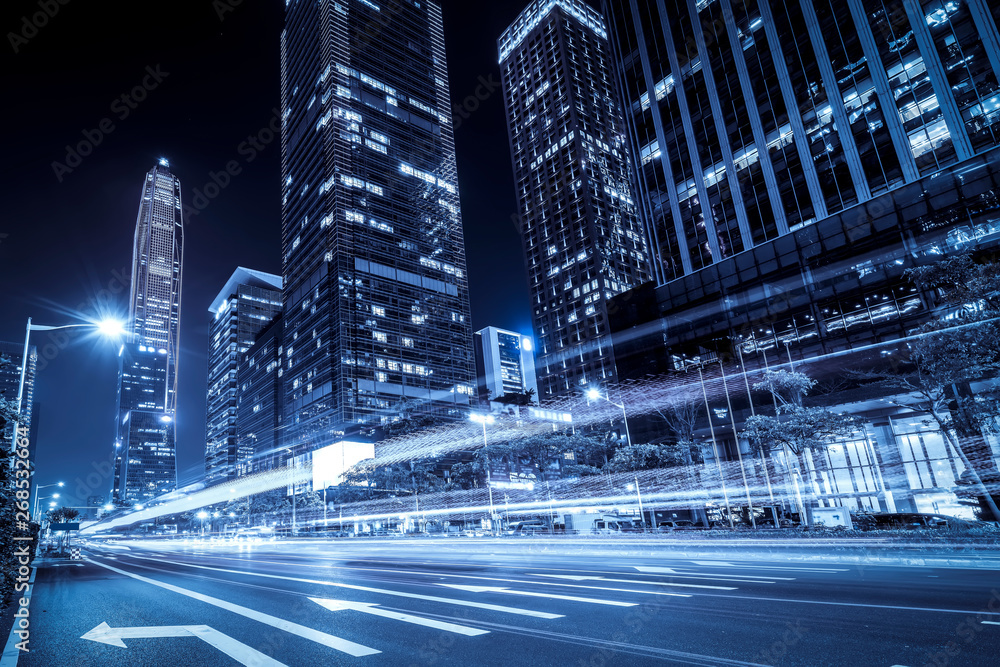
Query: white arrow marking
{"points": [[633, 581], [337, 584], [372, 608], [552, 596], [337, 643], [748, 578], [238, 651], [990, 623], [68, 565]]}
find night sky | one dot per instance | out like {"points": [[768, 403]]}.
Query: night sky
{"points": [[66, 237]]}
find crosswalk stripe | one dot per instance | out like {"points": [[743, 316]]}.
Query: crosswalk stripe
{"points": [[415, 596], [337, 643], [373, 609]]}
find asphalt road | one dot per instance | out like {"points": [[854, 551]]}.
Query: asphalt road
{"points": [[481, 601]]}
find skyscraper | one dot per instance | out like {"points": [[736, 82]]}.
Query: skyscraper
{"points": [[581, 233], [505, 364], [375, 287], [797, 159], [11, 360], [145, 457], [752, 119], [246, 305]]}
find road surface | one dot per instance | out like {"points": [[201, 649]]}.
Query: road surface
{"points": [[480, 601]]}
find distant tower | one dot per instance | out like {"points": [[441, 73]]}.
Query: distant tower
{"points": [[582, 238], [375, 286], [246, 305], [505, 364], [145, 460]]}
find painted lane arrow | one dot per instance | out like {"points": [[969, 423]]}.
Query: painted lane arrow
{"points": [[373, 609], [238, 651]]}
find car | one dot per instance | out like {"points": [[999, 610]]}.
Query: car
{"points": [[910, 520], [681, 524]]}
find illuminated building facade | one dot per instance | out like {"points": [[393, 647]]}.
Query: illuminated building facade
{"points": [[794, 159], [582, 237], [145, 457], [11, 355], [505, 364], [248, 303], [375, 286], [259, 400], [750, 119]]}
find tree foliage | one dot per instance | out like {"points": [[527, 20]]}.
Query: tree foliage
{"points": [[933, 372], [795, 426], [631, 458]]}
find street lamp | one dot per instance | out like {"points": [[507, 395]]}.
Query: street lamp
{"points": [[34, 509], [594, 394], [110, 328], [642, 515], [202, 515], [35, 512], [484, 420]]}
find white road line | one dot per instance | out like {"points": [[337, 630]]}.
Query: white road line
{"points": [[736, 577], [632, 581], [552, 596], [371, 608], [989, 623], [713, 563], [337, 643], [414, 596], [238, 651]]}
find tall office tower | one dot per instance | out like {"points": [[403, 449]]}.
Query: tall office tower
{"points": [[375, 288], [582, 237], [751, 118], [798, 158], [245, 306], [11, 360], [259, 400], [145, 455], [505, 364]]}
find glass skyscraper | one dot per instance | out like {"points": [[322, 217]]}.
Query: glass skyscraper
{"points": [[582, 237], [795, 160], [750, 119], [246, 305], [145, 455], [375, 286]]}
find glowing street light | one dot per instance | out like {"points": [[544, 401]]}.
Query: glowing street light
{"points": [[34, 510], [202, 515], [594, 394], [484, 420], [108, 327]]}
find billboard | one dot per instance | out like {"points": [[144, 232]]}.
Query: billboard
{"points": [[330, 463]]}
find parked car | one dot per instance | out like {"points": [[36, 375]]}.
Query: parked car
{"points": [[911, 521], [681, 524]]}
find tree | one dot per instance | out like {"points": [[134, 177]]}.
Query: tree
{"points": [[526, 397], [795, 428], [631, 458], [934, 371], [63, 514]]}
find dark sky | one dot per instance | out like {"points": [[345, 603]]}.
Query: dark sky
{"points": [[64, 238]]}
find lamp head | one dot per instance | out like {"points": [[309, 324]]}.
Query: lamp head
{"points": [[593, 394], [111, 328]]}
